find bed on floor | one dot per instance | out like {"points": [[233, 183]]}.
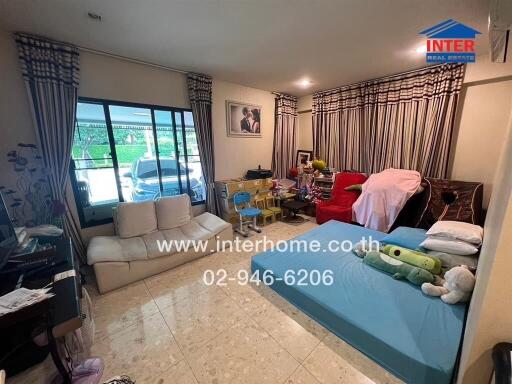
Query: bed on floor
{"points": [[414, 336]]}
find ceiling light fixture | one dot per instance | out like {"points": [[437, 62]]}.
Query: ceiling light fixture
{"points": [[304, 83], [94, 16], [421, 49]]}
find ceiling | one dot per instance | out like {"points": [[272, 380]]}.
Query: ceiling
{"points": [[266, 44]]}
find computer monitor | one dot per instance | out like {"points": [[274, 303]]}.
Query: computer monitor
{"points": [[8, 239]]}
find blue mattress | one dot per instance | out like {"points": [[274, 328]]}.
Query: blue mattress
{"points": [[414, 336]]}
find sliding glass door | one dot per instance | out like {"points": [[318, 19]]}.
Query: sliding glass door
{"points": [[135, 150], [192, 155], [93, 170], [170, 166], [144, 152]]}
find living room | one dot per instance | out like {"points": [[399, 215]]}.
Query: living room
{"points": [[123, 139]]}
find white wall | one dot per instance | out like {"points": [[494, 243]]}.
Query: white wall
{"points": [[105, 77], [304, 106], [234, 155], [480, 125], [480, 132], [15, 119], [490, 313]]}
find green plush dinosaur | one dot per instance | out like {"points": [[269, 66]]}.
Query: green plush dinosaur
{"points": [[362, 247], [397, 268], [415, 258]]}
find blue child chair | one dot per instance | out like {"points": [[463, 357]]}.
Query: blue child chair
{"points": [[248, 215]]}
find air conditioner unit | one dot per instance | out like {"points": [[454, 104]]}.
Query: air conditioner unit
{"points": [[500, 24]]}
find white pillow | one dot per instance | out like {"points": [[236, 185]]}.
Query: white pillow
{"points": [[449, 260], [173, 211], [444, 244], [136, 219], [458, 230]]}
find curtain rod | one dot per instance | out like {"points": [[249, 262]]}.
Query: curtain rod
{"points": [[386, 77], [283, 94], [129, 59], [104, 53]]}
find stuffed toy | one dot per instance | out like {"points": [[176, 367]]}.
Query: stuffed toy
{"points": [[397, 268], [456, 287], [362, 247], [319, 165], [418, 259]]}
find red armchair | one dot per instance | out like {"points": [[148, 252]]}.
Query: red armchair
{"points": [[339, 206]]}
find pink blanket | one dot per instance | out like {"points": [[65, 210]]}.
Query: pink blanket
{"points": [[383, 197]]}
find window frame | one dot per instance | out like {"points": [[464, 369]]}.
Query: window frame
{"points": [[105, 103]]}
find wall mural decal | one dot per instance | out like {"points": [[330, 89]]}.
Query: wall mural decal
{"points": [[30, 202]]}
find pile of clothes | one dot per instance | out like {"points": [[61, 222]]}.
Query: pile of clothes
{"points": [[383, 196]]}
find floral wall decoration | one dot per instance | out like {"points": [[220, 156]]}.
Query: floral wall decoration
{"points": [[30, 201]]}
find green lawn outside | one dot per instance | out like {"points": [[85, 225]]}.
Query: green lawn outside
{"points": [[126, 154]]}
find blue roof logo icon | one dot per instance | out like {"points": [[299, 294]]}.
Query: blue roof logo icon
{"points": [[450, 29]]}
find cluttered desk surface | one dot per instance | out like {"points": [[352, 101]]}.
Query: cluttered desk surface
{"points": [[59, 276]]}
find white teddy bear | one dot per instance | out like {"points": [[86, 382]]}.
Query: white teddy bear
{"points": [[456, 287]]}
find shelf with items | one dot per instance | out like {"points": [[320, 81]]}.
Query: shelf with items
{"points": [[325, 183]]}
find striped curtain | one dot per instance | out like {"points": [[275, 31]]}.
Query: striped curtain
{"points": [[50, 70], [401, 121], [285, 135], [200, 94]]}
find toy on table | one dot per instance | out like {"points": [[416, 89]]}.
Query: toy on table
{"points": [[398, 269], [456, 287], [415, 258]]}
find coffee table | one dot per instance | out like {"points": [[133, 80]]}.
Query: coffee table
{"points": [[294, 206]]}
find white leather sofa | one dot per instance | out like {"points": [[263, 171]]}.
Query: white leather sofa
{"points": [[133, 253]]}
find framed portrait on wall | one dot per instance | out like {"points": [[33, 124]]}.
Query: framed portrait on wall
{"points": [[243, 120], [303, 157]]}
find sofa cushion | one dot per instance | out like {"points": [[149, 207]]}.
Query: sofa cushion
{"points": [[172, 236], [136, 219], [152, 240], [173, 211], [113, 248], [194, 231], [211, 222]]}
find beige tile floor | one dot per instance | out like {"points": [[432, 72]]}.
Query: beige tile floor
{"points": [[173, 329]]}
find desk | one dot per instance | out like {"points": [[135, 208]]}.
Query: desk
{"points": [[60, 315]]}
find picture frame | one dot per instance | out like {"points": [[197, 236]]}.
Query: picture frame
{"points": [[303, 156], [243, 119]]}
